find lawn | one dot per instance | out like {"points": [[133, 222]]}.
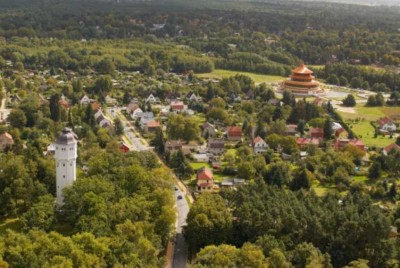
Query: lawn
{"points": [[372, 113], [257, 78], [14, 224], [365, 131]]}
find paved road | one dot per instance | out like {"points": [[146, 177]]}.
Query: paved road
{"points": [[180, 249], [3, 111], [180, 255], [129, 130]]}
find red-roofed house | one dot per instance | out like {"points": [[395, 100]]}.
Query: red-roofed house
{"points": [[386, 124], [205, 180], [358, 143], [124, 147], [341, 133], [391, 147], [151, 126], [259, 145], [63, 103], [6, 141], [317, 132], [341, 143], [234, 133], [303, 142], [177, 106]]}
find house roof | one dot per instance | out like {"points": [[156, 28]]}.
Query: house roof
{"points": [[384, 120], [216, 143], [257, 139], [391, 147], [177, 104], [153, 124], [316, 130], [234, 131], [173, 143], [7, 136], [205, 174], [206, 125]]}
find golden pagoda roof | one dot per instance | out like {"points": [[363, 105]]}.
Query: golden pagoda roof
{"points": [[302, 69]]}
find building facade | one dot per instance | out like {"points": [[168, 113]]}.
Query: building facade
{"points": [[66, 154]]}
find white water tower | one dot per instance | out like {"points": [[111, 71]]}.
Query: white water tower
{"points": [[66, 153]]}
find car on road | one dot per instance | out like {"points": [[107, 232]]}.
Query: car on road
{"points": [[179, 197], [176, 188]]}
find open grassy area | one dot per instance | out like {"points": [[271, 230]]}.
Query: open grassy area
{"points": [[257, 78], [366, 132], [13, 224], [372, 113]]}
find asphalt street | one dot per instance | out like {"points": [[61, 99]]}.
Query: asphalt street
{"points": [[180, 249]]}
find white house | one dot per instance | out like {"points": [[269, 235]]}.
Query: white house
{"points": [[152, 99], [386, 125], [85, 100], [259, 145], [201, 158], [192, 97], [136, 113]]}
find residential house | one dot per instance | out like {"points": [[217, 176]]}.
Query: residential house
{"points": [[152, 99], [291, 129], [232, 183], [208, 130], [201, 158], [216, 146], [341, 133], [111, 101], [341, 143], [102, 120], [95, 105], [152, 126], [173, 145], [125, 148], [63, 103], [177, 106], [274, 102], [191, 96], [303, 142], [234, 97], [234, 133], [386, 125], [134, 110], [318, 101], [259, 145], [6, 141], [85, 100], [144, 118], [390, 148], [316, 132], [335, 126], [205, 180], [170, 97]]}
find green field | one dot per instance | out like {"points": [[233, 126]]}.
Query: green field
{"points": [[360, 123], [257, 78], [371, 113]]}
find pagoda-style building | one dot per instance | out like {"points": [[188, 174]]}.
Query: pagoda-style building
{"points": [[301, 83]]}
